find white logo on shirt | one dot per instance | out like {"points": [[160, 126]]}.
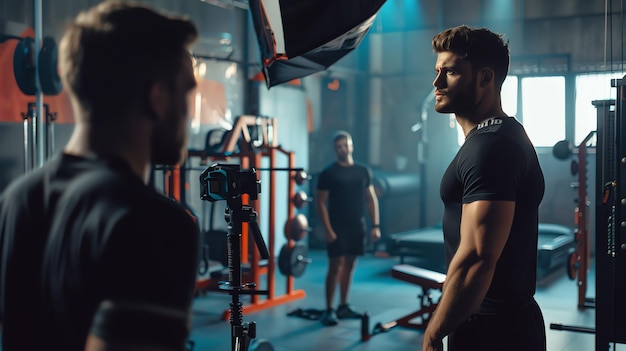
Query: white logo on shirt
{"points": [[489, 122]]}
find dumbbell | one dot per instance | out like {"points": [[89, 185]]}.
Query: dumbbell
{"points": [[301, 177], [300, 199], [296, 228]]}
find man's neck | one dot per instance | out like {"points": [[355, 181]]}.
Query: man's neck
{"points": [[347, 162], [128, 143], [469, 121]]}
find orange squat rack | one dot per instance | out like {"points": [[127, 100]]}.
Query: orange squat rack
{"points": [[251, 156], [578, 263]]}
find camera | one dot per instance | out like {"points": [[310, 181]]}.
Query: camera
{"points": [[228, 182]]}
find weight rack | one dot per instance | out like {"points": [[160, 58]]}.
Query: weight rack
{"points": [[611, 220], [252, 139]]}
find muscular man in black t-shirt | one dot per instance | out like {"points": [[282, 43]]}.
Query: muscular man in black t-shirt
{"points": [[343, 189], [491, 193], [85, 227]]}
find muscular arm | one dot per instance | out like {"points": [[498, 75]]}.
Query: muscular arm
{"points": [[485, 227], [372, 204], [372, 209], [321, 197]]}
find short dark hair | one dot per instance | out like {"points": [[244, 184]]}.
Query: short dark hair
{"points": [[112, 53], [479, 46], [341, 134]]}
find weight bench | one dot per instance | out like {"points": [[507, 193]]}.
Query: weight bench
{"points": [[554, 245], [431, 283]]}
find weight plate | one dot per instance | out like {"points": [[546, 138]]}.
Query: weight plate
{"points": [[24, 66], [573, 167], [572, 263], [292, 261], [48, 71]]}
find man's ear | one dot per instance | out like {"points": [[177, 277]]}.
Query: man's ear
{"points": [[486, 76], [158, 99]]}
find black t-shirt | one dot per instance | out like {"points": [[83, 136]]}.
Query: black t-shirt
{"points": [[78, 231], [498, 162], [346, 198]]}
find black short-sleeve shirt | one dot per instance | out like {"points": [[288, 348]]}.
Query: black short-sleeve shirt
{"points": [[346, 187], [92, 230], [498, 162]]}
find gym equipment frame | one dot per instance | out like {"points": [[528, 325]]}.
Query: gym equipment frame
{"points": [[610, 224], [250, 140], [611, 220], [431, 284], [579, 260], [30, 121]]}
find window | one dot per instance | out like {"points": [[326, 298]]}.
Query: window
{"points": [[590, 87], [509, 95], [543, 108]]}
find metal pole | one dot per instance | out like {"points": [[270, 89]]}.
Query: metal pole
{"points": [[38, 137]]}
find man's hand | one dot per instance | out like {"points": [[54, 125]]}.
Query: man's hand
{"points": [[431, 343], [375, 234], [330, 236]]}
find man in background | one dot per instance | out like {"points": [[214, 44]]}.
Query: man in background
{"points": [[85, 227], [491, 193], [343, 189]]}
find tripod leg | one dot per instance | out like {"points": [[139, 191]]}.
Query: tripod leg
{"points": [[241, 343]]}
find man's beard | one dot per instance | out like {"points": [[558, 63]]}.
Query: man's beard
{"points": [[342, 157], [167, 146], [462, 104]]}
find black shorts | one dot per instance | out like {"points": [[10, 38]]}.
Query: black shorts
{"points": [[348, 243], [519, 330]]}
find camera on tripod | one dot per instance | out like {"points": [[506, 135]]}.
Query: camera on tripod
{"points": [[228, 182]]}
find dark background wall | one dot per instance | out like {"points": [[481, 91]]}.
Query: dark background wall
{"points": [[384, 85]]}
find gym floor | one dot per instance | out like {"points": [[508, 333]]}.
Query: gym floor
{"points": [[386, 299]]}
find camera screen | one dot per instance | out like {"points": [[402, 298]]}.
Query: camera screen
{"points": [[215, 186]]}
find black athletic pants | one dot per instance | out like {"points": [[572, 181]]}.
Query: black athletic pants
{"points": [[520, 329]]}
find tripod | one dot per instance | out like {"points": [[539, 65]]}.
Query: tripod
{"points": [[236, 214], [227, 182]]}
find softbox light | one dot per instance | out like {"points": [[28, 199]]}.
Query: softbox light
{"points": [[302, 37]]}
